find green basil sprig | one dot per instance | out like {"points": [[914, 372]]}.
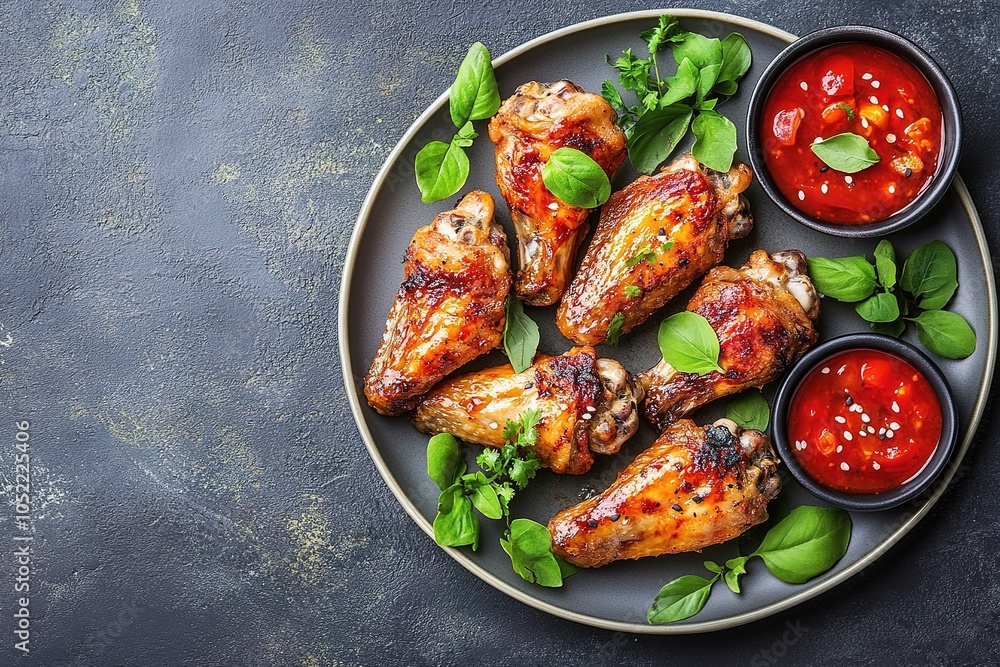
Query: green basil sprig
{"points": [[706, 69], [503, 472], [575, 179], [520, 335], [749, 410], [805, 544], [846, 152], [888, 298], [442, 169], [689, 343]]}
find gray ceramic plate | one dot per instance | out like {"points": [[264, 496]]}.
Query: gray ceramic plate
{"points": [[618, 595]]}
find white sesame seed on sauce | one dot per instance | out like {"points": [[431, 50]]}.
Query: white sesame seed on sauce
{"points": [[885, 108], [840, 448], [873, 99], [802, 195], [865, 418], [586, 415], [818, 140], [899, 113], [892, 189], [867, 76], [876, 83], [894, 426], [889, 433], [591, 408], [848, 436], [803, 85], [895, 406], [863, 433], [848, 179], [553, 206], [856, 408], [864, 122], [891, 138], [876, 466], [840, 420], [844, 466], [494, 425], [824, 188], [826, 370], [871, 429]]}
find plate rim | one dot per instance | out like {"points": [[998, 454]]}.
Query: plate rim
{"points": [[485, 575]]}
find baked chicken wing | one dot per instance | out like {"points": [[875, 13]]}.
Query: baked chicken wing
{"points": [[655, 237], [763, 314], [586, 404], [694, 487], [450, 309], [538, 119]]}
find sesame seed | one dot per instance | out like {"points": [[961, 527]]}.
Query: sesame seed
{"points": [[863, 433], [891, 138], [586, 415], [865, 418], [899, 113], [494, 425], [616, 516], [840, 420], [553, 206], [677, 508], [876, 466], [848, 436], [885, 107], [844, 466], [871, 429], [625, 521], [802, 195], [840, 448], [866, 76], [591, 408], [889, 433], [824, 169], [864, 122], [873, 99], [895, 406], [826, 369], [892, 189], [908, 172], [848, 179], [875, 84], [803, 85], [592, 523], [824, 188], [894, 426]]}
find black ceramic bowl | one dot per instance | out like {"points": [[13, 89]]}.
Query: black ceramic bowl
{"points": [[908, 490], [951, 115]]}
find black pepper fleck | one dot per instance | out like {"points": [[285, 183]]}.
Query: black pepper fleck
{"points": [[683, 262]]}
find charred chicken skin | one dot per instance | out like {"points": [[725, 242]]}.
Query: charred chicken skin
{"points": [[586, 405], [694, 487], [657, 235], [763, 314], [450, 308], [538, 119]]}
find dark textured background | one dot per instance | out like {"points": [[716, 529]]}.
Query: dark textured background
{"points": [[179, 185]]}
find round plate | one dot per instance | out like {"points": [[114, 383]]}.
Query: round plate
{"points": [[617, 596]]}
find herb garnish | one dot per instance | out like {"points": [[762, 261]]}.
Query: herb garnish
{"points": [[520, 335], [632, 291], [441, 168], [574, 178], [847, 109], [749, 410], [706, 69], [689, 343], [846, 152], [503, 472], [615, 329], [924, 287], [806, 543]]}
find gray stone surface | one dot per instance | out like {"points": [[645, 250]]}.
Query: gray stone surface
{"points": [[179, 185]]}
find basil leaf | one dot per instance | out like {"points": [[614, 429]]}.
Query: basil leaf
{"points": [[575, 178], [885, 264], [845, 279], [846, 152], [945, 333], [441, 170], [715, 140], [680, 599], [689, 343], [443, 457], [486, 501], [455, 524], [566, 569], [681, 85], [930, 274], [520, 336], [530, 551], [894, 329], [615, 329], [732, 580], [655, 136], [726, 88], [713, 567], [881, 307], [736, 59], [806, 543], [611, 95], [474, 93], [749, 410], [702, 51], [735, 568]]}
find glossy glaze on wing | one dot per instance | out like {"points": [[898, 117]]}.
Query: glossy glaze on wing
{"points": [[763, 314], [586, 404], [535, 121], [694, 487], [450, 309], [696, 209]]}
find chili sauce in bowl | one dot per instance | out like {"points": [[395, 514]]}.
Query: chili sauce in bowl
{"points": [[871, 93], [854, 131], [865, 421]]}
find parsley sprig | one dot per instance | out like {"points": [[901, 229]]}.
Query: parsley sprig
{"points": [[706, 69]]}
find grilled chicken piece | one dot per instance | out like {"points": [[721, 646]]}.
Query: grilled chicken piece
{"points": [[694, 487], [587, 405], [763, 314], [697, 209], [535, 121], [450, 309]]}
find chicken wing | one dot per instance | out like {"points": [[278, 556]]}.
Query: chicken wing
{"points": [[763, 314], [538, 119], [694, 487], [586, 404], [450, 308], [655, 237]]}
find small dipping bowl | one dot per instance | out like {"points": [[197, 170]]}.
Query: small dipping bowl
{"points": [[846, 432], [950, 141]]}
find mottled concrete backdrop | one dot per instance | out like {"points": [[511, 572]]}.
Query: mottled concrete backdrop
{"points": [[179, 182]]}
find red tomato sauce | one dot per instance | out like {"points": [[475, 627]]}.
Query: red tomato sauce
{"points": [[864, 421], [867, 91]]}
